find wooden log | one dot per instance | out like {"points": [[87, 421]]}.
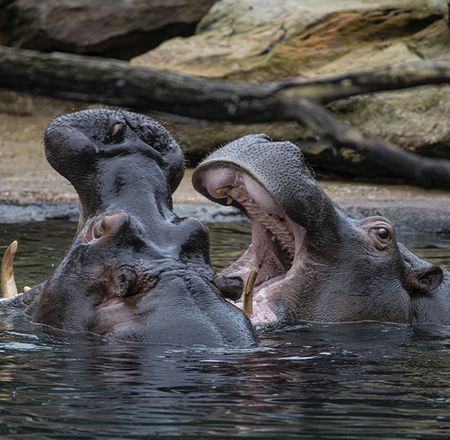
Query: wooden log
{"points": [[113, 82], [90, 79]]}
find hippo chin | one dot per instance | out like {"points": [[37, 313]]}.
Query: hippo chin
{"points": [[308, 259], [135, 270]]}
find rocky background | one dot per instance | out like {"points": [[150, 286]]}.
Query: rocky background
{"points": [[254, 40]]}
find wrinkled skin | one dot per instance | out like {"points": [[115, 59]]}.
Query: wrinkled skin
{"points": [[135, 270], [313, 261]]}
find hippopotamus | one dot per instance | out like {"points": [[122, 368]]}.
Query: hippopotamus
{"points": [[135, 270], [308, 259]]}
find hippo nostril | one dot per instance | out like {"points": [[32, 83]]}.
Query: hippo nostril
{"points": [[148, 135]]}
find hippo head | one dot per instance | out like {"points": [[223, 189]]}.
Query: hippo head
{"points": [[308, 260], [135, 270]]}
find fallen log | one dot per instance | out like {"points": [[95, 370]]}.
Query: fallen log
{"points": [[90, 79]]}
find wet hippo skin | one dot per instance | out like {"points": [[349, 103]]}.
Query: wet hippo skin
{"points": [[135, 270], [312, 261]]}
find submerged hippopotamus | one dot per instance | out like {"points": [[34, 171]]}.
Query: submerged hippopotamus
{"points": [[308, 259], [135, 270]]}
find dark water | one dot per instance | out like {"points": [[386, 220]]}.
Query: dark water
{"points": [[313, 381]]}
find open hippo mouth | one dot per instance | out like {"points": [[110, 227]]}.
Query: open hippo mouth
{"points": [[277, 241], [230, 177]]}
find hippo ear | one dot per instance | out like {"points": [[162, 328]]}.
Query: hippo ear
{"points": [[424, 280]]}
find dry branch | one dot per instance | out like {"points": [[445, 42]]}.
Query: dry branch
{"points": [[113, 82], [424, 171]]}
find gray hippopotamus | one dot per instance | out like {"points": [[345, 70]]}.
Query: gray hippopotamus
{"points": [[308, 259], [135, 270]]}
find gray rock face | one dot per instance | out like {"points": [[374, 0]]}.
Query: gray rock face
{"points": [[118, 29], [262, 40], [258, 40]]}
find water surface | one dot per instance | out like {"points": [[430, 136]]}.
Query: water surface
{"points": [[311, 381]]}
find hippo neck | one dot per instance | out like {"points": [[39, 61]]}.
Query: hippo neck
{"points": [[124, 183]]}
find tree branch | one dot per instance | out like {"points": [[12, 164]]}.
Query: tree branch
{"points": [[424, 171], [382, 79]]}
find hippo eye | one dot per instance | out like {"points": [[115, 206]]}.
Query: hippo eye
{"points": [[117, 132], [383, 233], [382, 237]]}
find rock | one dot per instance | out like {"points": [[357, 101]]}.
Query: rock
{"points": [[417, 119], [256, 40], [119, 29]]}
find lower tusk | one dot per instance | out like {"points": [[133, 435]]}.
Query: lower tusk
{"points": [[26, 289], [229, 200], [248, 292], [224, 189], [9, 289]]}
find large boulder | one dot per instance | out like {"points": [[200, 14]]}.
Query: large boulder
{"points": [[119, 29], [257, 40]]}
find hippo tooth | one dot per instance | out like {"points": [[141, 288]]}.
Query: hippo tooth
{"points": [[279, 231], [229, 200], [248, 292], [224, 189], [26, 289], [9, 289]]}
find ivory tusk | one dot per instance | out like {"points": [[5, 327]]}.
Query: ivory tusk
{"points": [[248, 292], [9, 289]]}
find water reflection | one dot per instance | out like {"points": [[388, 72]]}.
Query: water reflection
{"points": [[345, 381], [352, 381]]}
